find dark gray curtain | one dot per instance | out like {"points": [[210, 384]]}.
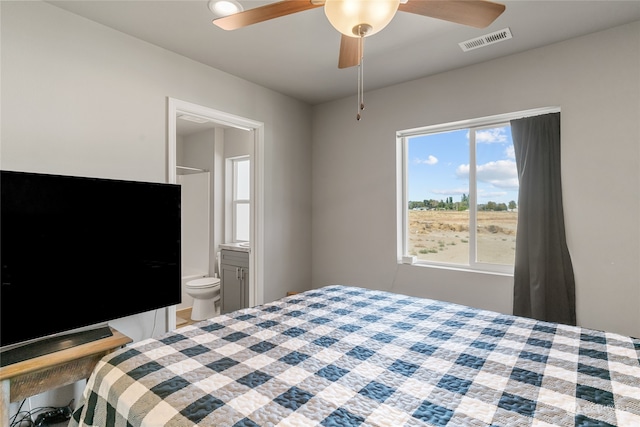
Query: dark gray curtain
{"points": [[544, 285]]}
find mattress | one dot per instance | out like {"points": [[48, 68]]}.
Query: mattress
{"points": [[348, 356]]}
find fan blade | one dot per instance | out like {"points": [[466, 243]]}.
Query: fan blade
{"points": [[349, 52], [474, 13], [264, 13]]}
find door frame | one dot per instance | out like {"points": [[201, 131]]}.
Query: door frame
{"points": [[256, 193]]}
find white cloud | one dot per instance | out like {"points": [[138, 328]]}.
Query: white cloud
{"points": [[462, 171], [431, 160], [501, 174], [490, 136], [510, 152]]}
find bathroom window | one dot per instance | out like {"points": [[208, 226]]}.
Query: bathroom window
{"points": [[240, 198]]}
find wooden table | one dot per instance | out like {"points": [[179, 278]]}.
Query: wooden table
{"points": [[33, 376]]}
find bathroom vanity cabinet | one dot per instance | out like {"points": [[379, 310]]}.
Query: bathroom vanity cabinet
{"points": [[234, 274]]}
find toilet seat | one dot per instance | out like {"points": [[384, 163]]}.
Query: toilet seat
{"points": [[204, 282]]}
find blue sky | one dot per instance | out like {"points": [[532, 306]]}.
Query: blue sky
{"points": [[439, 166]]}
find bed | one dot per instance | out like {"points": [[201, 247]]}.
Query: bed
{"points": [[347, 356]]}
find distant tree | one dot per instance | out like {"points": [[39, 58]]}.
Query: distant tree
{"points": [[491, 206], [464, 203], [512, 205]]}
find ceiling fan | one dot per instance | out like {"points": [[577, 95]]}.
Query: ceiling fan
{"points": [[357, 19]]}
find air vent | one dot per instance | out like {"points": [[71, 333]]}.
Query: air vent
{"points": [[486, 40]]}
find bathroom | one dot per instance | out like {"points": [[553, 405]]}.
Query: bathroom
{"points": [[208, 157]]}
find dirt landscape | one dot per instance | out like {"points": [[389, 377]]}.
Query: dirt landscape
{"points": [[443, 236]]}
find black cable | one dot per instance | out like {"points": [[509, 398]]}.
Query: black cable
{"points": [[12, 420], [20, 407], [25, 418]]}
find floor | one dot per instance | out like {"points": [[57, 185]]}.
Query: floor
{"points": [[183, 317]]}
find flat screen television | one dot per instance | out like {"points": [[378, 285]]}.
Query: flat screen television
{"points": [[77, 252]]}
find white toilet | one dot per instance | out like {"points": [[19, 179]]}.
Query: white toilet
{"points": [[205, 293]]}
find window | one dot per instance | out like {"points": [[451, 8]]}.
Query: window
{"points": [[240, 190], [459, 195]]}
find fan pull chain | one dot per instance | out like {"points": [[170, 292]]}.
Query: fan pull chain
{"points": [[360, 106]]}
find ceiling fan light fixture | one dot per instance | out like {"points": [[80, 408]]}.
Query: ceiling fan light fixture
{"points": [[360, 18], [222, 8]]}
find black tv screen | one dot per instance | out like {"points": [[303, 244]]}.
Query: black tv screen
{"points": [[80, 251]]}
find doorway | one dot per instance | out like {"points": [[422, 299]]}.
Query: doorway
{"points": [[220, 121]]}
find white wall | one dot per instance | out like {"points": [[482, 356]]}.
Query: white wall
{"points": [[594, 79], [238, 142], [79, 98]]}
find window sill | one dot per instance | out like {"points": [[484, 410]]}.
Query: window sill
{"points": [[506, 272]]}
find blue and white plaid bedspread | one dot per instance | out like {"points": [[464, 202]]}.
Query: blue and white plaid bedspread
{"points": [[346, 356]]}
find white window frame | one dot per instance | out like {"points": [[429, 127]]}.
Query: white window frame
{"points": [[232, 167], [402, 160]]}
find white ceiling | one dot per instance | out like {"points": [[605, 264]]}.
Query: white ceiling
{"points": [[297, 55]]}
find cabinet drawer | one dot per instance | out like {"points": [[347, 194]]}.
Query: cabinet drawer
{"points": [[235, 258]]}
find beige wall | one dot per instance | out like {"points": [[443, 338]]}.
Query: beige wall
{"points": [[79, 98], [595, 80]]}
